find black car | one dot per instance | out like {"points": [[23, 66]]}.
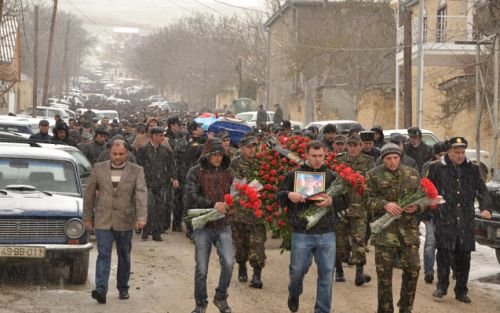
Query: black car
{"points": [[487, 232]]}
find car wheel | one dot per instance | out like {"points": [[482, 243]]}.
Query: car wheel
{"points": [[78, 268], [498, 254]]}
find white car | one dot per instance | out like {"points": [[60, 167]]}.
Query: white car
{"points": [[341, 125], [251, 119]]}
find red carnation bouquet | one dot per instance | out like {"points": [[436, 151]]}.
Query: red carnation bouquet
{"points": [[245, 196], [242, 195], [426, 196]]}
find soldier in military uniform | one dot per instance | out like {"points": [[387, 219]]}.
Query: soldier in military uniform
{"points": [[225, 137], [353, 224], [249, 232], [386, 184], [368, 139], [416, 148], [339, 144]]}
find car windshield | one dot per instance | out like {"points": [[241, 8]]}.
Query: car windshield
{"points": [[247, 117], [16, 128], [110, 115], [45, 175], [83, 164]]}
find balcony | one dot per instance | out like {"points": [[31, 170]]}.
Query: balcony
{"points": [[441, 32]]}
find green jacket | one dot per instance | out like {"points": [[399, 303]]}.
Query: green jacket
{"points": [[362, 164], [384, 186]]}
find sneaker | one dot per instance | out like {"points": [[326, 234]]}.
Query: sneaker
{"points": [[200, 308], [463, 298], [99, 296], [221, 303], [293, 303], [438, 294], [123, 295], [429, 278]]}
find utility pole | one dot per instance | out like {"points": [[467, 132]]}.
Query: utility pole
{"points": [[496, 64], [478, 104], [407, 66], [239, 77], [64, 74], [35, 64], [420, 73], [49, 55], [1, 11], [395, 6]]}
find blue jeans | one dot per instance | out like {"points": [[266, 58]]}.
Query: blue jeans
{"points": [[304, 248], [429, 248], [204, 238], [104, 240]]}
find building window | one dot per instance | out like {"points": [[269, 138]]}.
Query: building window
{"points": [[441, 22]]}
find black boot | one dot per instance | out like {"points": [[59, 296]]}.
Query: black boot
{"points": [[256, 281], [361, 278], [339, 272], [242, 273]]}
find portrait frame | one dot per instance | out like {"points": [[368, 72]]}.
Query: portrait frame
{"points": [[309, 183]]}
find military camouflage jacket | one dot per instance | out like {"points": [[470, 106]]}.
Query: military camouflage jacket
{"points": [[384, 186], [362, 164], [244, 169]]}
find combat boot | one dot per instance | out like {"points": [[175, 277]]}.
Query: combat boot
{"points": [[361, 278], [256, 281], [242, 273], [339, 272]]}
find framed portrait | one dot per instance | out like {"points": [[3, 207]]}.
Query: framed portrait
{"points": [[309, 183]]}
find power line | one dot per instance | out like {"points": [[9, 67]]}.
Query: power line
{"points": [[243, 8]]}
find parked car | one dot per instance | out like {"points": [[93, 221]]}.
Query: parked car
{"points": [[20, 126], [251, 119], [110, 114], [487, 232], [48, 113], [341, 125], [41, 213], [429, 138]]}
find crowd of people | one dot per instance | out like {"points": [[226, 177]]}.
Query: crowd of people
{"points": [[148, 173]]}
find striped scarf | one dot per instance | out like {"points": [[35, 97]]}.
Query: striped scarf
{"points": [[116, 174]]}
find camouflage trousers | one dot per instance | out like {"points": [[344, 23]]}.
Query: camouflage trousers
{"points": [[249, 242], [351, 231], [410, 263]]}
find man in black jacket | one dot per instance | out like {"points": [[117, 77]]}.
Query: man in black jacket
{"points": [[43, 133], [318, 241], [416, 148], [459, 182], [206, 185]]}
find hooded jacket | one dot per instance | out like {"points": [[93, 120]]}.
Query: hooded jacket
{"points": [[206, 185], [298, 225]]}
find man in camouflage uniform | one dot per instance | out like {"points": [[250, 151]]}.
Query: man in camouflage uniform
{"points": [[386, 185], [353, 225], [249, 232]]}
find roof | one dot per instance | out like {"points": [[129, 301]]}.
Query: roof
{"points": [[23, 150], [8, 36]]}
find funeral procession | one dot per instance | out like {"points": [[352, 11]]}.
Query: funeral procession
{"points": [[240, 156]]}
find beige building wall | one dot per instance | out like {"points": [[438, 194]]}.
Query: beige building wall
{"points": [[377, 107]]}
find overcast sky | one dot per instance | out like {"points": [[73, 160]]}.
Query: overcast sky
{"points": [[148, 13]]}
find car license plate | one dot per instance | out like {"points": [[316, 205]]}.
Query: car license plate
{"points": [[22, 252]]}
